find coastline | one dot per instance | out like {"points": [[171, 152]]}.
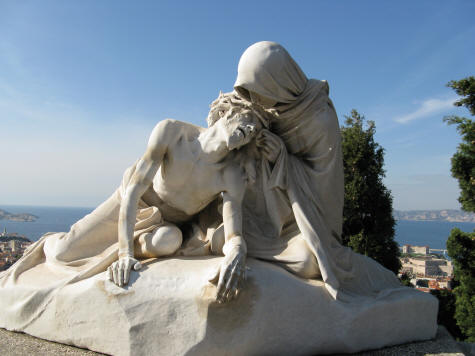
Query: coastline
{"points": [[419, 232]]}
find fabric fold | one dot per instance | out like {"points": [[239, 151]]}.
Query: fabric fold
{"points": [[60, 259], [308, 173]]}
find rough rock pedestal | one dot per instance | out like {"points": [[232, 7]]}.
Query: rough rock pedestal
{"points": [[169, 309]]}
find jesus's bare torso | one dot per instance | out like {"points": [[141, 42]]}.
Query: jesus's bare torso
{"points": [[188, 180]]}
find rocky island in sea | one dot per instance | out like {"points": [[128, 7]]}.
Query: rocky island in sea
{"points": [[451, 215], [26, 217]]}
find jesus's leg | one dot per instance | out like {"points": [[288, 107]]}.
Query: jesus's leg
{"points": [[88, 237], [164, 241]]}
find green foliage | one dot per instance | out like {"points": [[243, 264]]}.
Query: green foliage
{"points": [[424, 283], [406, 280], [461, 248], [368, 225], [463, 161], [466, 88], [461, 245], [446, 313]]}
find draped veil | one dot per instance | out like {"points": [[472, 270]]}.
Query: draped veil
{"points": [[305, 185]]}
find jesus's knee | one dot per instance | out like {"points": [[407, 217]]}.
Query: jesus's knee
{"points": [[166, 240]]}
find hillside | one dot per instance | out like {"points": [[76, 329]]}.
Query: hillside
{"points": [[5, 215], [435, 215], [14, 237]]}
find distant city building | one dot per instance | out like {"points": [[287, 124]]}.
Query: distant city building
{"points": [[427, 266], [12, 248], [435, 272], [423, 250], [14, 245]]}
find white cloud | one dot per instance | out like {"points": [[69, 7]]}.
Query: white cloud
{"points": [[427, 107]]}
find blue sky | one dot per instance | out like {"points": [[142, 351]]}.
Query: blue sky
{"points": [[82, 83]]}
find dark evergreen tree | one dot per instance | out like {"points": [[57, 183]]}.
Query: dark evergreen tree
{"points": [[446, 315], [461, 248], [461, 245], [406, 280], [368, 225], [465, 88], [463, 161]]}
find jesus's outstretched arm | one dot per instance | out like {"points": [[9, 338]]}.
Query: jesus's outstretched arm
{"points": [[140, 181]]}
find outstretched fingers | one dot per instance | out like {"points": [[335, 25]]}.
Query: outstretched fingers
{"points": [[223, 279], [115, 272], [122, 270], [126, 271], [229, 283], [119, 271], [109, 274], [232, 287]]}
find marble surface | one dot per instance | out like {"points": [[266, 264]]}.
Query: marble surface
{"points": [[19, 344], [170, 309]]}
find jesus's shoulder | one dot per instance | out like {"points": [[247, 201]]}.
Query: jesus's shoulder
{"points": [[170, 130]]}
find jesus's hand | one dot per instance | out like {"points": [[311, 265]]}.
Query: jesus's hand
{"points": [[230, 275], [119, 271]]}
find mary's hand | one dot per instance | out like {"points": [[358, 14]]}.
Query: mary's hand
{"points": [[119, 271], [269, 145], [230, 275]]}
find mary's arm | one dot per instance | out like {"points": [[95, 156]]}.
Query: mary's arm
{"points": [[270, 145]]}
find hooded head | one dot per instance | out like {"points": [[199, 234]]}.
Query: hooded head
{"points": [[268, 75]]}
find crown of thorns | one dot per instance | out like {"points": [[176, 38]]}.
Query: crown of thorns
{"points": [[231, 100]]}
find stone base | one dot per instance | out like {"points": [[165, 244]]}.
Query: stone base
{"points": [[168, 309], [19, 344]]}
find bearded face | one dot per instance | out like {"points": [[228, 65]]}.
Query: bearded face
{"points": [[240, 128]]}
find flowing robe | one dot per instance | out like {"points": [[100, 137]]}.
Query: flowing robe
{"points": [[305, 186], [91, 246]]}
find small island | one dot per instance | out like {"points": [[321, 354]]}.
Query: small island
{"points": [[22, 217]]}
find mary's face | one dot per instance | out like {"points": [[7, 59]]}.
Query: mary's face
{"points": [[240, 129], [262, 100], [256, 98]]}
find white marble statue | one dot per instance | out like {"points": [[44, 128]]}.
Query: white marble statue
{"points": [[184, 168], [302, 174], [264, 182]]}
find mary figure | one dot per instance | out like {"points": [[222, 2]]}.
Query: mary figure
{"points": [[301, 180]]}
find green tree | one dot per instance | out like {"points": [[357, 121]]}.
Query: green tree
{"points": [[446, 315], [368, 223], [424, 283], [406, 280], [465, 88], [461, 248], [461, 245], [463, 161]]}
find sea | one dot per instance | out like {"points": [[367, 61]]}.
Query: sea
{"points": [[55, 219]]}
